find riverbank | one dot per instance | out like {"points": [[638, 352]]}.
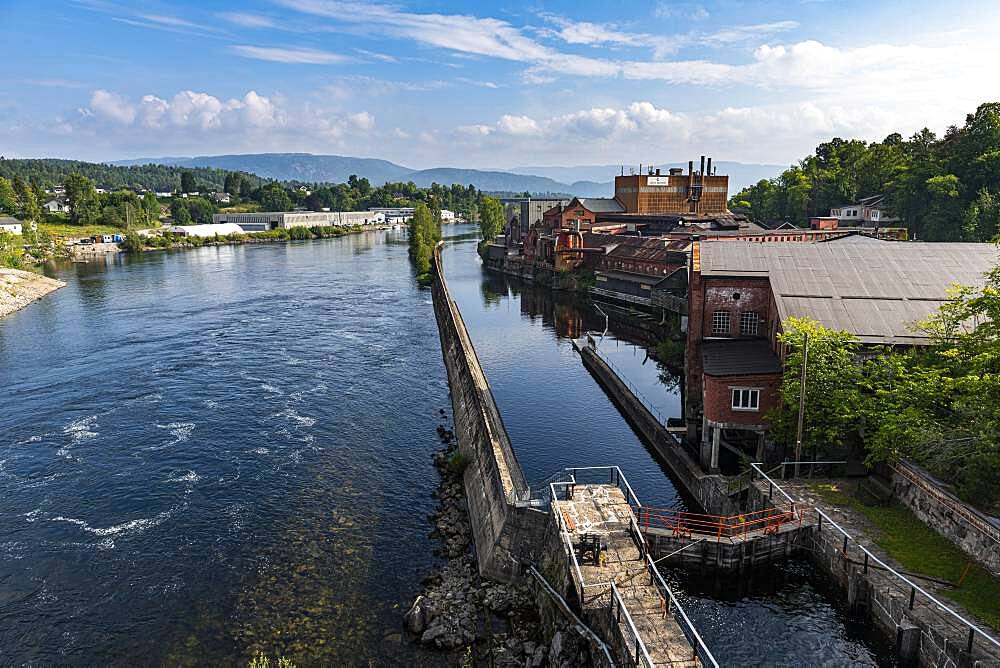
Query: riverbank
{"points": [[18, 288]]}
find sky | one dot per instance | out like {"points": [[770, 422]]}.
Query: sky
{"points": [[428, 83]]}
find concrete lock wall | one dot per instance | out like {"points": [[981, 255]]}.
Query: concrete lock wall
{"points": [[707, 490], [504, 529]]}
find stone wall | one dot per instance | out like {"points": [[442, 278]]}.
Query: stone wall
{"points": [[966, 527], [505, 529], [707, 490]]}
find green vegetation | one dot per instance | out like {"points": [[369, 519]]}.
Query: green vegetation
{"points": [[945, 189], [918, 549], [457, 463], [261, 660], [939, 406], [11, 253], [491, 218], [47, 172], [425, 232]]}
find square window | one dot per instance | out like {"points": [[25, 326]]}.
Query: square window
{"points": [[720, 323], [746, 399], [749, 323]]}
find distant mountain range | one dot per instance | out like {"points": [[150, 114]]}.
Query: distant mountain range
{"points": [[585, 181]]}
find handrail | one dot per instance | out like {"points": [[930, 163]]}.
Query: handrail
{"points": [[566, 609], [640, 645], [632, 387], [756, 467], [913, 586], [680, 609], [905, 470]]}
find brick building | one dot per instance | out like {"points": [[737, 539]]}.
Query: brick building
{"points": [[740, 293], [700, 192]]}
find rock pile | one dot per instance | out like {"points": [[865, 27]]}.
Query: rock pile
{"points": [[460, 609]]}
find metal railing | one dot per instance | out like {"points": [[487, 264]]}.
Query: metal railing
{"points": [[731, 528], [647, 404], [909, 589], [669, 604], [955, 506], [633, 649]]}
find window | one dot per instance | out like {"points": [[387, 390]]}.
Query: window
{"points": [[749, 323], [746, 399], [720, 323]]}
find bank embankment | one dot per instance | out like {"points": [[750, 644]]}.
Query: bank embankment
{"points": [[19, 288]]}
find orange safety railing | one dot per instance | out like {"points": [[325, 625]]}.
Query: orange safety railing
{"points": [[687, 525]]}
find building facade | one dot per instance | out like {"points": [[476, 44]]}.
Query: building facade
{"points": [[270, 220], [697, 192]]}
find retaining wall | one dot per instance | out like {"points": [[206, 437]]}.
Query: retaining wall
{"points": [[504, 528], [966, 527], [707, 490]]}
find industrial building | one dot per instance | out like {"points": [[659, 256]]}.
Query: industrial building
{"points": [[740, 293], [270, 220], [208, 230]]}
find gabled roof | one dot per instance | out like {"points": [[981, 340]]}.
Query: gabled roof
{"points": [[874, 289], [9, 220]]}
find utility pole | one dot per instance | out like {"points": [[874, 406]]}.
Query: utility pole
{"points": [[802, 402]]}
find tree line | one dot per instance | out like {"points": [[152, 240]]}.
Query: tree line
{"points": [[941, 188], [46, 173]]}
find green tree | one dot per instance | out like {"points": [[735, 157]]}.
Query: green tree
{"points": [[188, 182], [27, 202], [179, 212], [833, 400], [81, 196], [8, 199], [150, 209], [491, 216], [425, 232], [274, 197], [233, 183]]}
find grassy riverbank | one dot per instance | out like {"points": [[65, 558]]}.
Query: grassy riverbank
{"points": [[919, 549]]}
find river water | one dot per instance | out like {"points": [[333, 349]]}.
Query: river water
{"points": [[207, 452]]}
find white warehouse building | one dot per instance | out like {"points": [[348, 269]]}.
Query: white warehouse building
{"points": [[269, 220]]}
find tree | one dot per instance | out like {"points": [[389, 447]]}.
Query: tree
{"points": [[8, 199], [81, 195], [425, 232], [188, 182], [150, 209], [179, 212], [233, 183], [833, 400], [491, 216], [274, 197], [27, 202]]}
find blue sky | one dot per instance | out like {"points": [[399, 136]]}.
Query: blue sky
{"points": [[472, 84]]}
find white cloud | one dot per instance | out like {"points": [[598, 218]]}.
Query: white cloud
{"points": [[192, 117], [248, 20], [106, 104], [291, 55]]}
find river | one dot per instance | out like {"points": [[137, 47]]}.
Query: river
{"points": [[208, 451]]}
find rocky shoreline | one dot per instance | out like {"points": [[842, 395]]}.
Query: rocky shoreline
{"points": [[486, 622], [19, 288]]}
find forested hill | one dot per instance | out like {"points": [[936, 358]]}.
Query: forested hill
{"points": [[942, 189], [48, 172]]}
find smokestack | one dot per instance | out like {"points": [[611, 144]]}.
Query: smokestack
{"points": [[702, 165], [690, 167], [657, 171], [709, 166]]}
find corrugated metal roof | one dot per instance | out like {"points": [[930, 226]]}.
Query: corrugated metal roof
{"points": [[600, 204], [738, 357], [873, 289]]}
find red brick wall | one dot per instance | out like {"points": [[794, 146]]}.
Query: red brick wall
{"points": [[755, 295], [717, 395]]}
